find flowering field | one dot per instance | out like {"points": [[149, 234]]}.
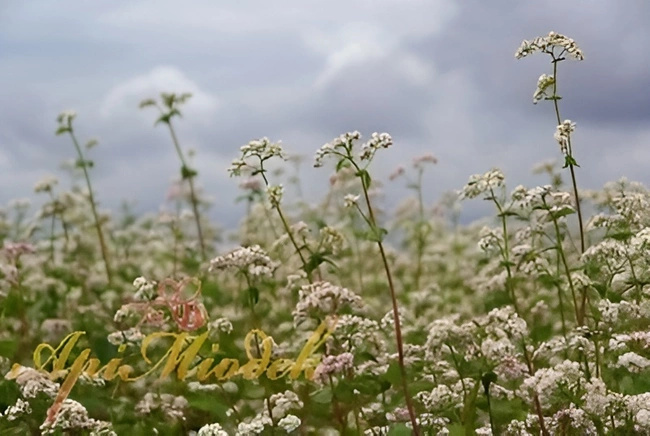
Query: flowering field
{"points": [[335, 317]]}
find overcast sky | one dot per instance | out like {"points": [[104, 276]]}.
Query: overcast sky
{"points": [[439, 75]]}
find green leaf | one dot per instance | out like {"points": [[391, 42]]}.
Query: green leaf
{"points": [[469, 410], [400, 430], [147, 102], [187, 172], [253, 295], [324, 396], [8, 348], [364, 175], [570, 161], [61, 130], [343, 163], [376, 234], [393, 375]]}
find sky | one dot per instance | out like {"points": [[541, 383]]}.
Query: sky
{"points": [[440, 76]]}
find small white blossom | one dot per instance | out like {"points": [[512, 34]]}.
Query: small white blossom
{"points": [[563, 135]]}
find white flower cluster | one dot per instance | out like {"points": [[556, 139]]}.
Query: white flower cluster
{"points": [[262, 149], [331, 240], [289, 423], [546, 198], [212, 430], [14, 412], [31, 382], [252, 260], [323, 298], [46, 184], [547, 382], [377, 141], [546, 44], [563, 135], [481, 183], [144, 288], [505, 323], [344, 141], [350, 200], [332, 365], [72, 419], [544, 82], [173, 407], [283, 402], [342, 146], [491, 240], [253, 427], [129, 336], [221, 324], [274, 194], [440, 398]]}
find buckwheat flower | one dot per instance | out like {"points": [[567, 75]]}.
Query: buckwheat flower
{"points": [[544, 82], [323, 298], [563, 135], [171, 406], [274, 194], [46, 184], [144, 288], [331, 240], [338, 146], [14, 412], [633, 362], [31, 382], [73, 418], [546, 44], [259, 150], [517, 428], [289, 423], [283, 402], [254, 427], [332, 365], [130, 336], [221, 324], [482, 183], [491, 239], [439, 399], [350, 200], [605, 251], [504, 322], [596, 400], [572, 418], [251, 260], [377, 141], [546, 382], [212, 430]]}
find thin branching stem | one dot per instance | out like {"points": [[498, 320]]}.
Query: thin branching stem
{"points": [[93, 206]]}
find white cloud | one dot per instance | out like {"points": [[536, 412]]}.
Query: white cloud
{"points": [[123, 99]]}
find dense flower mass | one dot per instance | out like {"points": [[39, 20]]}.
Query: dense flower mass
{"points": [[366, 317], [548, 43]]}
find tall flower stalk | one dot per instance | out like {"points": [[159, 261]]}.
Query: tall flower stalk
{"points": [[254, 156], [65, 126], [168, 109], [559, 48], [341, 148]]}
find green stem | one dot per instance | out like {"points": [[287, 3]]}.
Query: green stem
{"points": [[570, 153], [396, 317], [93, 207], [193, 198]]}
